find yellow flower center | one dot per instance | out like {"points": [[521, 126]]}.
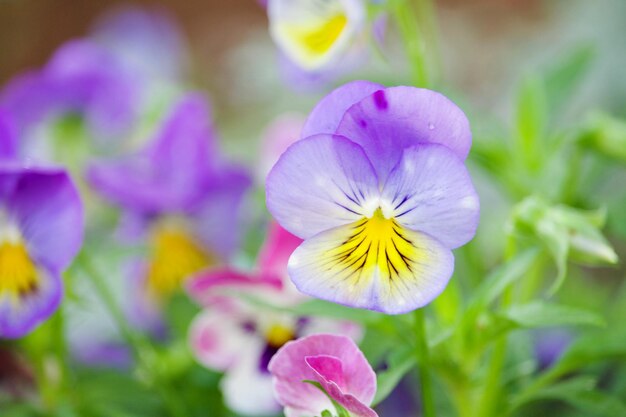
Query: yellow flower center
{"points": [[375, 243], [176, 256], [18, 274], [277, 335], [311, 40]]}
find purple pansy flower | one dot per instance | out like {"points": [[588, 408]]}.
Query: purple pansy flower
{"points": [[178, 196], [102, 78], [8, 137], [379, 191], [238, 338], [41, 230], [336, 364]]}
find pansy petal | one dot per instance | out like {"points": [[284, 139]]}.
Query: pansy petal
{"points": [[219, 218], [49, 214], [170, 173], [374, 264], [290, 368], [8, 144], [389, 120], [314, 33], [431, 191], [20, 314], [207, 288], [331, 377], [220, 339], [319, 183], [327, 114], [248, 389], [275, 253]]}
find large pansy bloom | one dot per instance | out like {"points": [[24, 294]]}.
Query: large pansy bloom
{"points": [[41, 230], [239, 338], [179, 197], [379, 191], [313, 34], [335, 364]]}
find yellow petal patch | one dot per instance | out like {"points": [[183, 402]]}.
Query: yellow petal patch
{"points": [[18, 274], [373, 263], [375, 244], [175, 257], [311, 41]]}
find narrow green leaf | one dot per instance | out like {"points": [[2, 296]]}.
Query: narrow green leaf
{"points": [[563, 79], [531, 120], [501, 278], [541, 314]]}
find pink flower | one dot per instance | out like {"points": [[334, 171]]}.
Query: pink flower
{"points": [[238, 337], [333, 362], [277, 137]]}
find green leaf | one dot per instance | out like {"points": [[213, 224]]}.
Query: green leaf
{"points": [[531, 121], [493, 286], [541, 314], [556, 391], [592, 348], [400, 362], [563, 79]]}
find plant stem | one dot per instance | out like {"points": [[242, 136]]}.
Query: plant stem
{"points": [[421, 350], [142, 349], [414, 41]]}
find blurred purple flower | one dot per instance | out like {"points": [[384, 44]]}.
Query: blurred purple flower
{"points": [[41, 230], [179, 196], [379, 191], [336, 364], [238, 338], [8, 137], [106, 78], [550, 345]]}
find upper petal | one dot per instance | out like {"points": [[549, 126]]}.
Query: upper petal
{"points": [[219, 216], [431, 191], [319, 183], [170, 172], [327, 114], [275, 253], [47, 209], [8, 145], [389, 120]]}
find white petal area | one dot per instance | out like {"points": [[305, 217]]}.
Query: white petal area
{"points": [[248, 390], [319, 183], [430, 190], [373, 264], [219, 340], [313, 33]]}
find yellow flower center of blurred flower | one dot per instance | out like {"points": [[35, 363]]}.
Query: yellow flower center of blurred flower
{"points": [[18, 274], [313, 39], [175, 257], [277, 335]]}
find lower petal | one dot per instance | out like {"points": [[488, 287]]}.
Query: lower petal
{"points": [[19, 314], [374, 264]]}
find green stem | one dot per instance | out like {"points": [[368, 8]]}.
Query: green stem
{"points": [[414, 41], [421, 344], [493, 383], [143, 351]]}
